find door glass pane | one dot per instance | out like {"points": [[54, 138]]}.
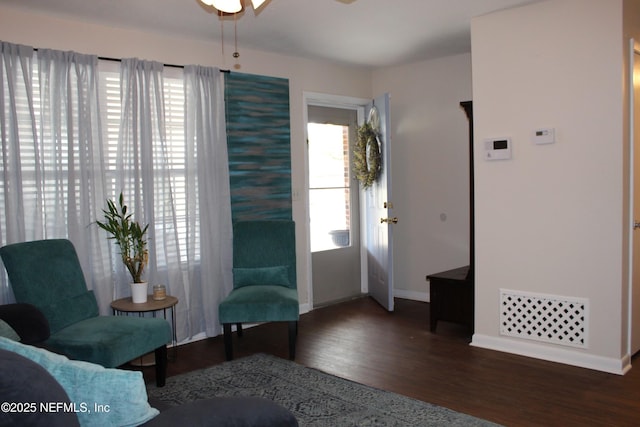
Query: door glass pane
{"points": [[329, 197]]}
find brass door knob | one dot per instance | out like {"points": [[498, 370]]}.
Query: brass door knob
{"points": [[393, 220]]}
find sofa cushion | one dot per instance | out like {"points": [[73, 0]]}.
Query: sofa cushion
{"points": [[24, 386], [103, 397]]}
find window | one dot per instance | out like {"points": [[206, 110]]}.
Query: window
{"points": [[174, 102], [329, 192], [50, 187]]}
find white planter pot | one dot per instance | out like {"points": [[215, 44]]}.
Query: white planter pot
{"points": [[139, 292]]}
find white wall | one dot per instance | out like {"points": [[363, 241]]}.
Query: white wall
{"points": [[42, 31], [551, 219], [430, 169]]}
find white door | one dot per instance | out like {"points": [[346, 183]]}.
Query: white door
{"points": [[379, 214], [635, 133]]}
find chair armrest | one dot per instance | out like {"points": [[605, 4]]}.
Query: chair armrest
{"points": [[28, 322]]}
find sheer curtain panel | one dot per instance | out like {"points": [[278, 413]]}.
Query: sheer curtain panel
{"points": [[179, 183], [144, 175], [52, 163], [208, 197]]}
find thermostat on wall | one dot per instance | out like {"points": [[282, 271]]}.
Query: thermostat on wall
{"points": [[497, 149], [544, 136]]}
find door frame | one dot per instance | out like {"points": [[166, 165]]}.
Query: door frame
{"points": [[633, 51], [334, 101]]}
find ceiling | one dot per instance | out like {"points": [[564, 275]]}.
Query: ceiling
{"points": [[370, 33]]}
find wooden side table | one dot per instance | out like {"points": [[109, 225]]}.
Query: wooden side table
{"points": [[126, 305], [452, 297]]}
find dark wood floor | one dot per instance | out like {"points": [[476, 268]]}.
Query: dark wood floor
{"points": [[396, 351]]}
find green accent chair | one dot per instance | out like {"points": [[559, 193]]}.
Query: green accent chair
{"points": [[264, 279], [48, 275]]}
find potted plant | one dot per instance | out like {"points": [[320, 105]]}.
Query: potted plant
{"points": [[130, 238]]}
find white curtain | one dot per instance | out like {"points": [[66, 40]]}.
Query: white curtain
{"points": [[52, 161], [144, 177], [151, 181], [208, 196], [56, 174], [18, 127]]}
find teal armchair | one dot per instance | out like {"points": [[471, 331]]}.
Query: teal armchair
{"points": [[264, 279], [48, 275]]}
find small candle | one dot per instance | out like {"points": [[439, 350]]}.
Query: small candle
{"points": [[159, 292]]}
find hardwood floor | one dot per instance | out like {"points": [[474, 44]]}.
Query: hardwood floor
{"points": [[360, 341]]}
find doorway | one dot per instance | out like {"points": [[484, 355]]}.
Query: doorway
{"points": [[334, 206]]}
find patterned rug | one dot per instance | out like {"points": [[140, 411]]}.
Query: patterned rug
{"points": [[315, 398]]}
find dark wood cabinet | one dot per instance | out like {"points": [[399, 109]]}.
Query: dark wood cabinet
{"points": [[452, 292], [452, 297]]}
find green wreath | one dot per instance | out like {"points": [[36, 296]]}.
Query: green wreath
{"points": [[366, 156]]}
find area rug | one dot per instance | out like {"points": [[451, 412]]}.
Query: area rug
{"points": [[314, 397]]}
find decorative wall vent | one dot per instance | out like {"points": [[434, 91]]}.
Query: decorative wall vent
{"points": [[549, 318]]}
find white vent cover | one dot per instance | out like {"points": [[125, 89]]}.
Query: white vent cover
{"points": [[549, 318]]}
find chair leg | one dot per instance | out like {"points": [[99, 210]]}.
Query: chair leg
{"points": [[293, 333], [239, 329], [228, 349], [161, 365]]}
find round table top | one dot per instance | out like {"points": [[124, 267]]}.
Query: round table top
{"points": [[126, 304]]}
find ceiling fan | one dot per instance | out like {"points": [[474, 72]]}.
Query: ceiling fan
{"points": [[231, 6]]}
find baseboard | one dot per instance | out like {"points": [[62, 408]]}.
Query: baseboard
{"points": [[197, 337], [568, 357], [304, 308], [412, 295]]}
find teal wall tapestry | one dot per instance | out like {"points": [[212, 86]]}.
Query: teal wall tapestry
{"points": [[259, 144]]}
